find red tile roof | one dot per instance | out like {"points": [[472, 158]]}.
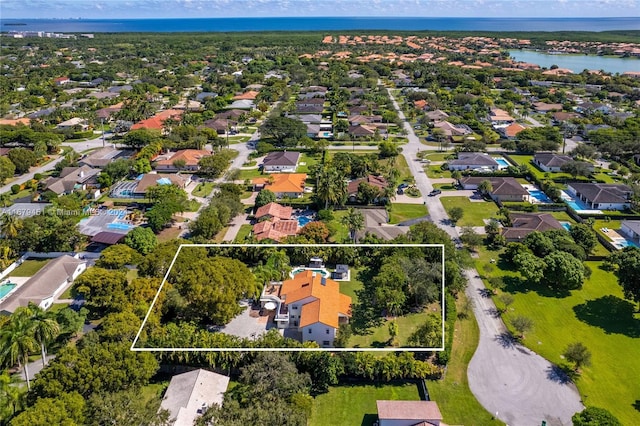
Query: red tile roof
{"points": [[158, 120], [274, 210], [275, 229], [191, 157]]}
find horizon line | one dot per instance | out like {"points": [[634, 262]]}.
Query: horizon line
{"points": [[331, 16]]}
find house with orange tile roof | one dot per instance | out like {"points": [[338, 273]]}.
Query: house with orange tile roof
{"points": [[309, 303], [157, 121], [282, 184], [15, 122], [274, 210], [512, 130], [190, 158], [275, 229], [249, 95]]}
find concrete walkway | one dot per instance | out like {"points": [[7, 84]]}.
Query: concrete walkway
{"points": [[510, 381], [234, 227]]}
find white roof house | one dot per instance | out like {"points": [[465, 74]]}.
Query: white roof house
{"points": [[189, 395]]}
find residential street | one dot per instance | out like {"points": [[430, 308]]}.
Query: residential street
{"points": [[516, 384], [28, 176]]}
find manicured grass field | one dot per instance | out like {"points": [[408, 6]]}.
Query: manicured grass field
{"points": [[356, 405], [379, 336], [400, 163], [349, 287], [203, 189], [444, 186], [438, 156], [249, 174], [474, 212], [308, 160], [436, 172], [596, 315], [401, 212], [243, 233], [29, 267], [457, 403]]}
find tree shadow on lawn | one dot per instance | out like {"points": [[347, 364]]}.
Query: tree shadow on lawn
{"points": [[636, 405], [562, 374], [521, 285], [610, 313]]}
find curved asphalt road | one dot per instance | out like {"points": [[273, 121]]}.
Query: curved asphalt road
{"points": [[515, 384]]}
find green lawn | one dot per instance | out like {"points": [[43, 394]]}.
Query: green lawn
{"points": [[349, 287], [356, 405], [249, 174], [435, 171], [596, 315], [474, 212], [402, 166], [29, 267], [339, 232], [243, 233], [379, 336], [444, 186], [203, 189], [457, 403], [308, 160], [438, 156], [401, 212]]}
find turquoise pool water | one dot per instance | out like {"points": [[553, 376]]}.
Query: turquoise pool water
{"points": [[122, 226], [320, 271], [6, 288], [303, 220], [539, 195], [566, 225], [502, 162], [624, 243]]}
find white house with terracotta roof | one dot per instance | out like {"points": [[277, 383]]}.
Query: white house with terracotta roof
{"points": [[309, 303]]}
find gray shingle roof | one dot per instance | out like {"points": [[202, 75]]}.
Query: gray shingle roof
{"points": [[474, 159], [603, 192], [282, 158]]}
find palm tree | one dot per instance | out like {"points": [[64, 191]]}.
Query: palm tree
{"points": [[330, 187], [354, 221], [9, 392], [45, 329], [10, 225], [17, 342]]}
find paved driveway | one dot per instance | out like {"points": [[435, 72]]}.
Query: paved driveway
{"points": [[510, 381]]}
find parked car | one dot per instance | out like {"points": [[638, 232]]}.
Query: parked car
{"points": [[403, 186], [435, 192]]}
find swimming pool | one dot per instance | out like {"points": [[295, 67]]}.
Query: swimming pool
{"points": [[502, 162], [121, 226], [620, 244], [324, 272], [539, 195], [6, 288], [566, 225], [303, 220]]}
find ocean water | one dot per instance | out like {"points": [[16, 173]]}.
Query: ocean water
{"points": [[320, 24], [578, 63]]}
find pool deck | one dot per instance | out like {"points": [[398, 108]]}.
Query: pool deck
{"points": [[14, 280]]}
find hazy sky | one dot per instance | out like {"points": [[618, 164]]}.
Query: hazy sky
{"points": [[262, 8]]}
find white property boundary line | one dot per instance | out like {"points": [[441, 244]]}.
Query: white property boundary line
{"points": [[442, 307]]}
